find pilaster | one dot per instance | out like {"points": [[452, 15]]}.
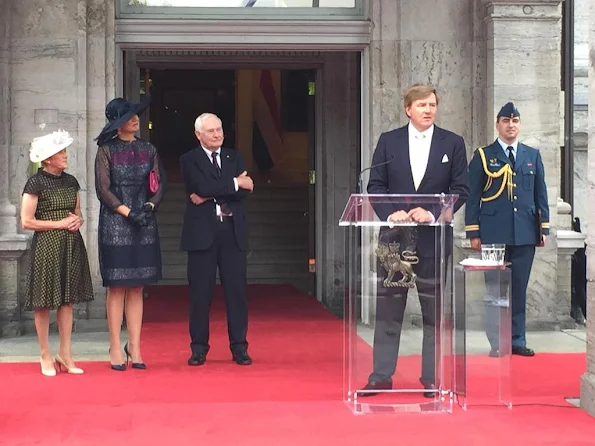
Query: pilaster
{"points": [[8, 211], [524, 66], [588, 379]]}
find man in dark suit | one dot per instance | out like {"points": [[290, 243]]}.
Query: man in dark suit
{"points": [[214, 235], [427, 160], [508, 205]]}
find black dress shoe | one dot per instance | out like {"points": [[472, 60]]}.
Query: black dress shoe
{"points": [[375, 385], [197, 359], [494, 353], [242, 358], [522, 351], [429, 386]]}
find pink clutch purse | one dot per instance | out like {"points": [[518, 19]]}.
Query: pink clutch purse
{"points": [[153, 181]]}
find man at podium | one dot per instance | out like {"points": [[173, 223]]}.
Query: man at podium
{"points": [[419, 158]]}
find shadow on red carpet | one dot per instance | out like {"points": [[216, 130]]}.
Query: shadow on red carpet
{"points": [[291, 395]]}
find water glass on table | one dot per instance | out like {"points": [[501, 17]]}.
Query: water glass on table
{"points": [[493, 252]]}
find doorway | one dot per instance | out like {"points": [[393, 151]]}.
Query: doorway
{"points": [[178, 97], [268, 115], [328, 171]]}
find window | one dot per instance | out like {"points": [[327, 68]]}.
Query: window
{"points": [[243, 9]]}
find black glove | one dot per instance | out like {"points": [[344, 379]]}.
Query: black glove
{"points": [[148, 207], [139, 218]]}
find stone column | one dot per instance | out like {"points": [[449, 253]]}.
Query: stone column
{"points": [[340, 93], [523, 66], [62, 75], [409, 46], [8, 223], [588, 379], [97, 89], [581, 87], [12, 244]]}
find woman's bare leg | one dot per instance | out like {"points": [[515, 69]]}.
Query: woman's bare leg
{"points": [[42, 326], [134, 321], [115, 313], [64, 317]]}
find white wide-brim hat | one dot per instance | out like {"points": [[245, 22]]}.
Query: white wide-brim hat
{"points": [[45, 146]]}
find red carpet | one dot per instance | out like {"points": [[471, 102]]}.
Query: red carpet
{"points": [[291, 395]]}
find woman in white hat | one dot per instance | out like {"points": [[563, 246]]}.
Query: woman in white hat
{"points": [[58, 273]]}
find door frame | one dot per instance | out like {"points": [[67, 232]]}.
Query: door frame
{"points": [[279, 58]]}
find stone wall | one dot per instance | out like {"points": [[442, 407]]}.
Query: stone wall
{"points": [[59, 67], [588, 379], [479, 55], [60, 59], [581, 65], [524, 47]]}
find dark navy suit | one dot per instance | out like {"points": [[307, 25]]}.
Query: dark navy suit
{"points": [[508, 214], [214, 243], [446, 172]]}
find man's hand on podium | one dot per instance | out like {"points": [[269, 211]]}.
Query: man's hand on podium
{"points": [[420, 215], [399, 216]]}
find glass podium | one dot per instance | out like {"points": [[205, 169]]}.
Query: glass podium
{"points": [[398, 314], [482, 335]]}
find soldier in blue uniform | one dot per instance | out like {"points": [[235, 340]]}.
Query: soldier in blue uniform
{"points": [[508, 205]]}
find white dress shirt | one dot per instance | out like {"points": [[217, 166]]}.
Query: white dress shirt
{"points": [[419, 152], [235, 181]]}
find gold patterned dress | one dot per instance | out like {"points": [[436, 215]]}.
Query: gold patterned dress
{"points": [[59, 269]]}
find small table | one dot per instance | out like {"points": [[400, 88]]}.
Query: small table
{"points": [[482, 335]]}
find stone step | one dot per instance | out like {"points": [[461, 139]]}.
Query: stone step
{"points": [[264, 272], [278, 233], [288, 228], [256, 240], [177, 217], [260, 189], [172, 244], [269, 205], [255, 257], [298, 282]]}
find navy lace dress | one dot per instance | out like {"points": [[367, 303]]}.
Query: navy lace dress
{"points": [[129, 256]]}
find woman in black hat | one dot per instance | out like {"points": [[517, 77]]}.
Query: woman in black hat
{"points": [[129, 185]]}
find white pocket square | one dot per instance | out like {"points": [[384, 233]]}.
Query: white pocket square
{"points": [[444, 159]]}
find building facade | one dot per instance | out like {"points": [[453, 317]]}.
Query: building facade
{"points": [[588, 379], [581, 86], [60, 63]]}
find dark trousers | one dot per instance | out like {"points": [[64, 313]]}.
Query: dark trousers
{"points": [[202, 274], [521, 259], [390, 309]]}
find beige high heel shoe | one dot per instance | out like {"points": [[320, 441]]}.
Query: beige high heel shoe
{"points": [[71, 370], [47, 372]]}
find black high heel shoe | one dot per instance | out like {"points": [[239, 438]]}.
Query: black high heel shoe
{"points": [[117, 367], [135, 365]]}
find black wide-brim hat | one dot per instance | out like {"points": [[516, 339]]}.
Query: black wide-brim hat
{"points": [[119, 111]]}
